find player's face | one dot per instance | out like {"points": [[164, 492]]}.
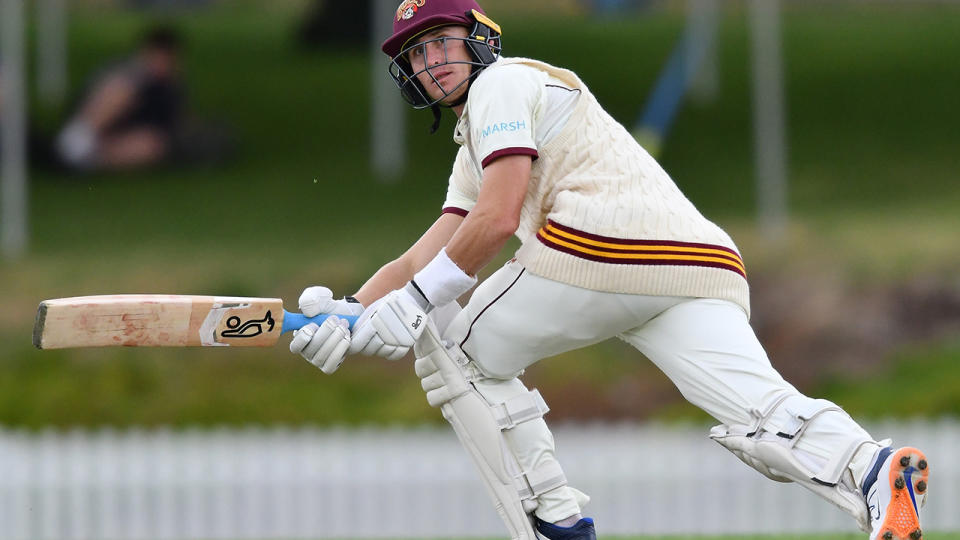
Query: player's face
{"points": [[441, 64]]}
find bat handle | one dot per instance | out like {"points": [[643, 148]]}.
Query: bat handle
{"points": [[295, 321]]}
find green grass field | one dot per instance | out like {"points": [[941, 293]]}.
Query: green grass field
{"points": [[873, 164]]}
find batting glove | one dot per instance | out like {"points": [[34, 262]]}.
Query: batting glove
{"points": [[324, 345], [390, 327], [316, 300]]}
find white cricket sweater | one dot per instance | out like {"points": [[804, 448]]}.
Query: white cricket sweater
{"points": [[600, 213]]}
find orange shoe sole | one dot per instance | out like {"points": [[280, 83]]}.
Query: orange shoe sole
{"points": [[909, 471]]}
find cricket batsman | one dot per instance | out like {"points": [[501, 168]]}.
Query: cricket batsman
{"points": [[610, 248]]}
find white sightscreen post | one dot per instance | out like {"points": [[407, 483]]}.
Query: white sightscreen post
{"points": [[702, 22], [51, 51], [769, 117], [13, 147], [387, 109]]}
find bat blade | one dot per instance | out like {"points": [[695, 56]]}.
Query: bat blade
{"points": [[149, 320]]}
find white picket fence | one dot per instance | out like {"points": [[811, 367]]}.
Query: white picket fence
{"points": [[412, 483]]}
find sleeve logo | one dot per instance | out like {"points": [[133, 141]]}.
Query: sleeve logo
{"points": [[503, 127]]}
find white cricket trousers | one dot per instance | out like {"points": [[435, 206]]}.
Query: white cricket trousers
{"points": [[705, 346]]}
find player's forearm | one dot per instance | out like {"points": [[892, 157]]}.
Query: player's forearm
{"points": [[470, 243], [452, 272], [391, 276], [397, 273], [496, 216], [480, 239]]}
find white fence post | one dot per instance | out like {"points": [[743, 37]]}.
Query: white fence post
{"points": [[769, 117], [388, 112], [13, 132]]}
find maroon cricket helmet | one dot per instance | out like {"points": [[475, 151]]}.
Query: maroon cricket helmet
{"points": [[415, 17]]}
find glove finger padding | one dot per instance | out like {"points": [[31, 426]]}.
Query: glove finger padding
{"points": [[323, 346], [377, 347], [363, 340], [397, 354], [334, 348], [302, 337]]}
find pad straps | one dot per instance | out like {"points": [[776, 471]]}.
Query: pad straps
{"points": [[532, 484], [789, 417], [519, 409]]}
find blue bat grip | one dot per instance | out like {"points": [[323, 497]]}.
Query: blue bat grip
{"points": [[296, 321]]}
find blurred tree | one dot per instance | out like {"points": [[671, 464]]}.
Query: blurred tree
{"points": [[336, 24]]}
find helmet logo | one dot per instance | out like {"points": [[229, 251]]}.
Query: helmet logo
{"points": [[409, 8]]}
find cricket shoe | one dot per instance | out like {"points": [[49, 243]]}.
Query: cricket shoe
{"points": [[582, 530], [896, 489]]}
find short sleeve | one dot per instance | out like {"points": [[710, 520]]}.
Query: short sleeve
{"points": [[464, 186], [503, 105]]}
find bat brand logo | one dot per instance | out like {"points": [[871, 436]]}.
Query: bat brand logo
{"points": [[408, 9], [248, 329], [416, 323]]}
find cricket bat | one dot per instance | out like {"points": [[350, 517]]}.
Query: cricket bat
{"points": [[158, 320]]}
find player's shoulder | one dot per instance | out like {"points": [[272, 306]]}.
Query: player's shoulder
{"points": [[509, 73]]}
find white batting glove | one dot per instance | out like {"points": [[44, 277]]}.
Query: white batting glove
{"points": [[316, 300], [390, 327], [324, 345]]}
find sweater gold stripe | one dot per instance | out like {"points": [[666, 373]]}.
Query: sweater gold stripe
{"points": [[721, 252], [639, 251]]}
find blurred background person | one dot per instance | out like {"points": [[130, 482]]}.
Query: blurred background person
{"points": [[130, 115], [134, 114]]}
